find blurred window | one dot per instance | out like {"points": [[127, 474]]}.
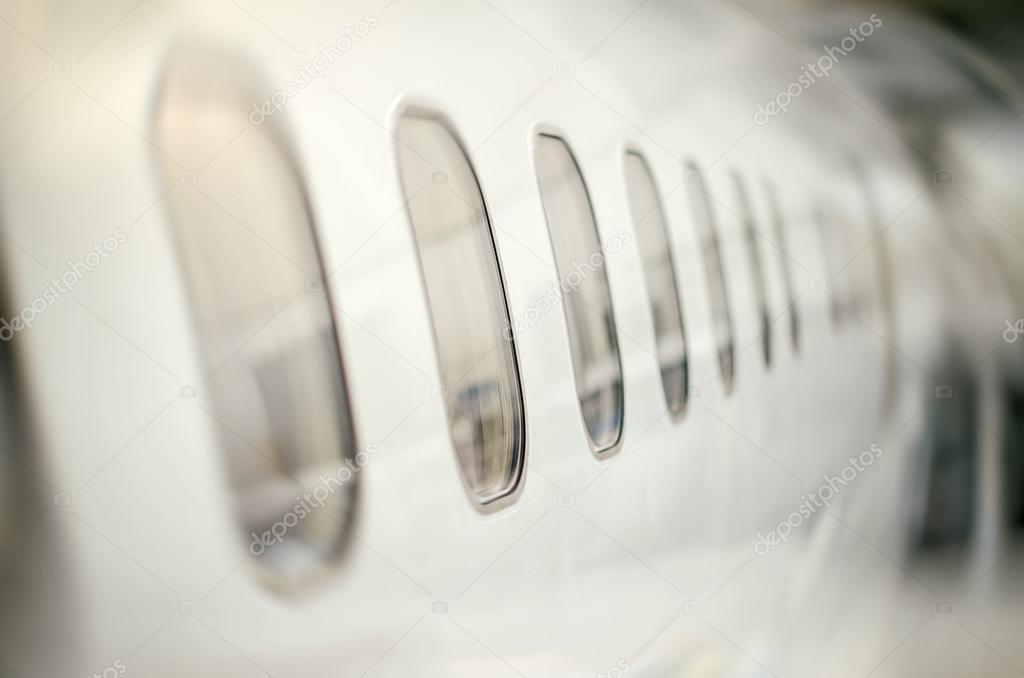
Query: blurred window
{"points": [[785, 261], [273, 384], [707, 231], [660, 279], [580, 262], [756, 267], [831, 254]]}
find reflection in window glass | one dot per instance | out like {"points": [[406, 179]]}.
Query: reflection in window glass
{"points": [[588, 306], [704, 218], [660, 280], [756, 268], [464, 290], [274, 386], [779, 229]]}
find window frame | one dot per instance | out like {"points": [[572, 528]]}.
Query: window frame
{"points": [[631, 148], [713, 238], [423, 107], [542, 129]]}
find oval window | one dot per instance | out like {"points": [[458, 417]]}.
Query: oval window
{"points": [[580, 262], [263, 324], [468, 310], [831, 255], [757, 278], [707, 232], [660, 280], [789, 286]]}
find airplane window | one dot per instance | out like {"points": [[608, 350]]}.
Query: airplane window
{"points": [[265, 333], [17, 500], [756, 268], [660, 279], [782, 247], [580, 262], [704, 218], [466, 297], [830, 254]]}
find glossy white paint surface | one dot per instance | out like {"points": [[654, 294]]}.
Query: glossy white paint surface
{"points": [[646, 557]]}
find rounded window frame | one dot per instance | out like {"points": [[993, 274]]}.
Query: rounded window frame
{"points": [[422, 106], [535, 131]]}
